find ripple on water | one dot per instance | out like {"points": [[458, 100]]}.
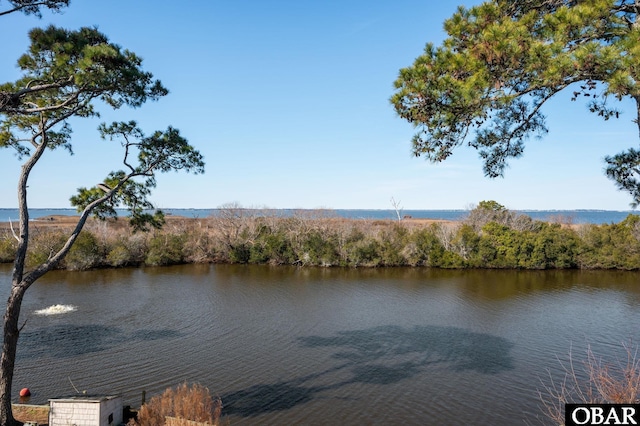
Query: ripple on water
{"points": [[330, 346]]}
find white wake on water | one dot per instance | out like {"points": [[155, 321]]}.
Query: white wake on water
{"points": [[56, 310]]}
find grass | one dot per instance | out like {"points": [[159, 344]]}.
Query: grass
{"points": [[183, 405], [31, 413], [597, 382]]}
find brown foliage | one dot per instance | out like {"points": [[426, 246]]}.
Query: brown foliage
{"points": [[597, 382], [190, 403], [31, 413]]}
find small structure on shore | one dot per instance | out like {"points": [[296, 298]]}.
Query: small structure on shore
{"points": [[85, 410]]}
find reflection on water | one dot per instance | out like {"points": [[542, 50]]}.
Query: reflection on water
{"points": [[321, 346], [377, 356], [460, 349]]}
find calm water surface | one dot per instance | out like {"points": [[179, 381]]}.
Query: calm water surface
{"points": [[286, 346]]}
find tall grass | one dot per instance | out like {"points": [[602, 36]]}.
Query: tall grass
{"points": [[595, 382], [183, 405]]}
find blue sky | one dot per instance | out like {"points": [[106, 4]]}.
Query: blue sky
{"points": [[288, 101]]}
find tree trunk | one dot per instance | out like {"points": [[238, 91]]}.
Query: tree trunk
{"points": [[637, 120], [9, 347], [18, 289]]}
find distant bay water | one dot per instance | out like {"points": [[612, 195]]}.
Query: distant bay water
{"points": [[565, 216]]}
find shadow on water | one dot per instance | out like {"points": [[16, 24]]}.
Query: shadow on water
{"points": [[64, 341], [378, 356]]}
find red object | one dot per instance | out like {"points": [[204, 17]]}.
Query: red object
{"points": [[25, 392]]}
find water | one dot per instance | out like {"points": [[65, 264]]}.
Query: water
{"points": [[573, 216], [311, 346]]}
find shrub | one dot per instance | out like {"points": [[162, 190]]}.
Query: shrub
{"points": [[185, 402], [8, 246], [365, 253], [119, 255], [466, 244], [605, 383], [272, 246], [240, 253], [84, 254], [500, 246], [198, 247], [320, 249], [555, 247], [613, 245], [428, 249], [392, 244], [127, 250], [43, 244], [165, 249], [491, 237]]}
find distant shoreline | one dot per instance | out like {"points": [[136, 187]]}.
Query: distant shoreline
{"points": [[573, 216], [483, 239], [70, 221]]}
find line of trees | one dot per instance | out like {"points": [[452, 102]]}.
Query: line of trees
{"points": [[489, 237]]}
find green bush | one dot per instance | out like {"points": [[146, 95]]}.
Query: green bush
{"points": [[119, 255], [499, 246], [555, 247], [240, 253], [425, 248], [612, 246], [165, 249], [8, 246], [85, 253], [272, 247], [392, 244], [466, 244], [366, 252], [127, 250], [451, 260], [319, 249], [550, 246], [495, 238], [42, 245]]}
